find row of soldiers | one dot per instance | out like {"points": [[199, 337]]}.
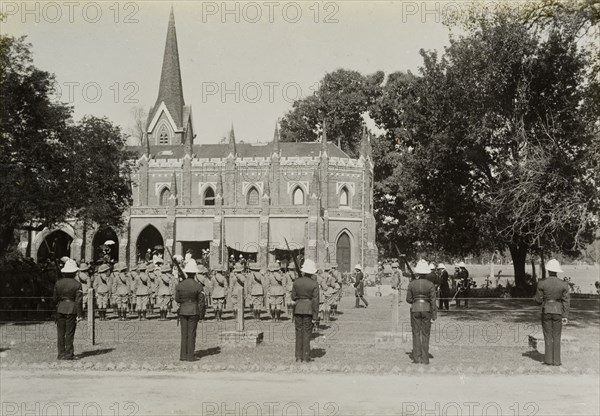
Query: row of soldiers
{"points": [[145, 287]]}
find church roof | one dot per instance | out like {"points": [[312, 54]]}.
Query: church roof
{"points": [[244, 150]]}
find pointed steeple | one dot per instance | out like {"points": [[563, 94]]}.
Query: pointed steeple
{"points": [[170, 90], [324, 139], [173, 185], [315, 185], [365, 143], [232, 149], [276, 140]]}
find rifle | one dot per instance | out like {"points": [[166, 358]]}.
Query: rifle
{"points": [[293, 258], [179, 269]]}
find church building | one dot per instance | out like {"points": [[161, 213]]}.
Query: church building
{"points": [[254, 200]]}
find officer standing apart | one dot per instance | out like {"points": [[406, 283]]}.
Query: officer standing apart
{"points": [[305, 292], [444, 287], [421, 295], [553, 294], [397, 280], [190, 296], [68, 298], [359, 286]]}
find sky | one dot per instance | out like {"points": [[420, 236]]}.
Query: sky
{"points": [[242, 62]]}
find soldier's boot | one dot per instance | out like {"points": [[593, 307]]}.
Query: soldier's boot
{"points": [[139, 315], [357, 303]]}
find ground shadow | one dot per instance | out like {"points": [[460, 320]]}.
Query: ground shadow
{"points": [[92, 353], [207, 352], [534, 355], [317, 352]]}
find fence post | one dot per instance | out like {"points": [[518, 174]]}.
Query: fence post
{"points": [[90, 317]]}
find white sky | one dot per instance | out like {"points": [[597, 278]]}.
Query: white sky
{"points": [[122, 59]]}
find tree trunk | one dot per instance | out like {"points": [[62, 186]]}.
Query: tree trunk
{"points": [[518, 254], [533, 274], [542, 265]]}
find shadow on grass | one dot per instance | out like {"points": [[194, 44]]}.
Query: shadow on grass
{"points": [[207, 352], [534, 355], [317, 353], [93, 353]]}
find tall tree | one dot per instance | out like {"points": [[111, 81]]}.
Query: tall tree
{"points": [[342, 98], [51, 168]]}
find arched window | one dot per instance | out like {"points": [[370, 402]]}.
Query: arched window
{"points": [[209, 196], [344, 197], [163, 135], [252, 196], [165, 194], [298, 196]]}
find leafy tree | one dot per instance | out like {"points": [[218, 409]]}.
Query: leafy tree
{"points": [[496, 150], [342, 98], [51, 168]]}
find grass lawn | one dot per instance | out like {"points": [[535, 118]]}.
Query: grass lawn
{"points": [[491, 336]]}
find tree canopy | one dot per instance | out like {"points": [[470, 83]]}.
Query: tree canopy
{"points": [[52, 168]]}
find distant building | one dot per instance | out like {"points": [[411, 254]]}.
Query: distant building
{"points": [[235, 199]]}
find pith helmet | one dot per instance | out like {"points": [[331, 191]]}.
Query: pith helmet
{"points": [[309, 267], [84, 267], [254, 266], [238, 268], [103, 268], [462, 264], [165, 269], [191, 267], [441, 266], [70, 267], [358, 267], [274, 267], [120, 267], [422, 267], [395, 265], [142, 267], [202, 269], [150, 267], [431, 266], [554, 266], [327, 266]]}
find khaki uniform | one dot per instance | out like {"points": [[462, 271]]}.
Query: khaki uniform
{"points": [[164, 292], [277, 284], [256, 281], [102, 289], [553, 294], [120, 289], [219, 290], [142, 291], [237, 281]]}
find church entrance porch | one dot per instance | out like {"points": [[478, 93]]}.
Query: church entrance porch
{"points": [[148, 239]]}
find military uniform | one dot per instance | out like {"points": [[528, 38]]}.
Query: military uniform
{"points": [[85, 279], [190, 297], [421, 295], [132, 280], [305, 292], [397, 280], [68, 298], [339, 280], [553, 294], [121, 290], [330, 293], [290, 278], [219, 289], [463, 287], [164, 292], [276, 284], [445, 292], [256, 283], [359, 287], [237, 282], [142, 292], [153, 274], [102, 289]]}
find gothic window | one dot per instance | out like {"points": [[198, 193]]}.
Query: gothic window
{"points": [[165, 194], [344, 197], [163, 135], [298, 196], [253, 196], [209, 196]]}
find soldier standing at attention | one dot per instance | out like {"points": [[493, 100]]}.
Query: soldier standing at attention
{"points": [[152, 270], [339, 280], [85, 279], [203, 279], [219, 289], [164, 291], [397, 280], [190, 297], [256, 281], [68, 297], [444, 287], [276, 284], [142, 292], [463, 285], [237, 281], [421, 295], [290, 279], [132, 280], [102, 289], [121, 290], [359, 286], [553, 294], [305, 292]]}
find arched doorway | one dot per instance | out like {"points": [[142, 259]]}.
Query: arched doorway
{"points": [[149, 238], [100, 249], [343, 253], [58, 242]]}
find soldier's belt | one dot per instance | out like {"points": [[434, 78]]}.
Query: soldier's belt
{"points": [[421, 300]]}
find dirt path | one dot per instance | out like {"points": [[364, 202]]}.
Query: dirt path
{"points": [[142, 393]]}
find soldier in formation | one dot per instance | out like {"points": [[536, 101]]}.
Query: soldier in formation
{"points": [[120, 289], [164, 291], [84, 277], [142, 291], [132, 280], [203, 279], [237, 281], [102, 289], [276, 284], [152, 270], [256, 281], [290, 278], [339, 280], [219, 290]]}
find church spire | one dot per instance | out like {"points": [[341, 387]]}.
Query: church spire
{"points": [[232, 149], [276, 139], [324, 139], [170, 90]]}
